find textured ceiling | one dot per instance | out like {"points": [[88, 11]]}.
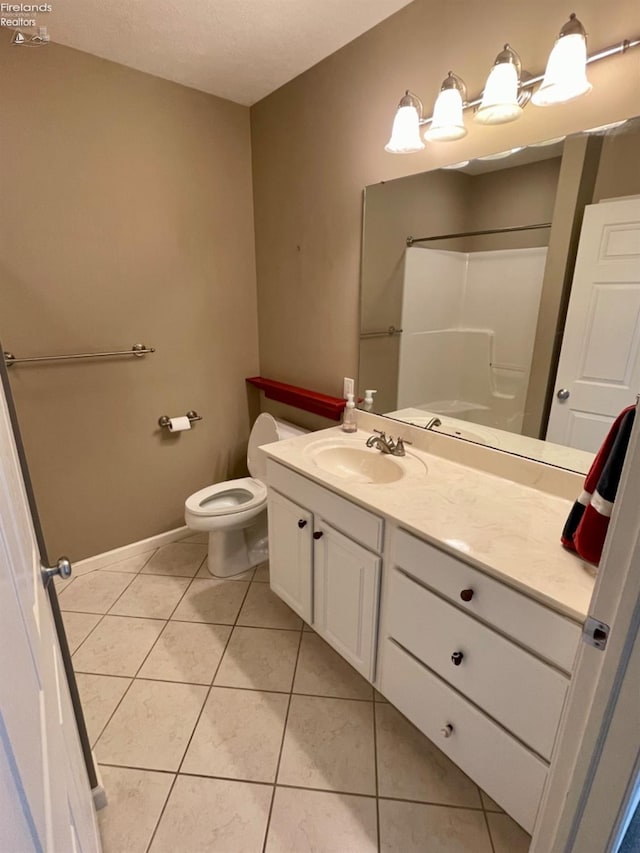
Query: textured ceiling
{"points": [[237, 49]]}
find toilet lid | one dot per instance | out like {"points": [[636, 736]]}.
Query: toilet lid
{"points": [[264, 431]]}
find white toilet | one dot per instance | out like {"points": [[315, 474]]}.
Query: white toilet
{"points": [[234, 512]]}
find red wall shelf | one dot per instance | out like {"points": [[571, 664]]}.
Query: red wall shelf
{"points": [[301, 398]]}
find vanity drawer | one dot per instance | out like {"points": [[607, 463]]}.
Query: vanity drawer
{"points": [[549, 634], [356, 522], [505, 769], [517, 689]]}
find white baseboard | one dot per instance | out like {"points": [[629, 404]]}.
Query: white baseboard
{"points": [[132, 550]]}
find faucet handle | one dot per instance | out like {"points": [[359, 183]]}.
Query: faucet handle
{"points": [[381, 433], [398, 449]]}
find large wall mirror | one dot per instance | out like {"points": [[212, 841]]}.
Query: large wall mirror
{"points": [[479, 280]]}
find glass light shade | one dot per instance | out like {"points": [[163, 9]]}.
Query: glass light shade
{"points": [[447, 123], [500, 96], [405, 133], [566, 74]]}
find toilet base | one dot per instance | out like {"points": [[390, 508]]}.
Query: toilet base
{"points": [[234, 551]]}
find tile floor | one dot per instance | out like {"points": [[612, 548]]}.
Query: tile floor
{"points": [[223, 724]]}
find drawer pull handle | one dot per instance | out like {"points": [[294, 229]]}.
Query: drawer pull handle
{"points": [[302, 523], [456, 658], [447, 730], [318, 534], [466, 594]]}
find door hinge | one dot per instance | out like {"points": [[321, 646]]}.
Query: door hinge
{"points": [[595, 633]]}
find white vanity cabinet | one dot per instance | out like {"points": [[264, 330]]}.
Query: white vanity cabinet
{"points": [[346, 579], [290, 550], [325, 564], [481, 669]]}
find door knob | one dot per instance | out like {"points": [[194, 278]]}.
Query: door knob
{"points": [[318, 534], [466, 594], [563, 394], [302, 523], [456, 658], [446, 731], [62, 568]]}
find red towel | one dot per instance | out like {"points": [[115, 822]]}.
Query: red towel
{"points": [[588, 521]]}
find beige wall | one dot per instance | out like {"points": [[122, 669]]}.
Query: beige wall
{"points": [[522, 195], [126, 216], [619, 167], [318, 141]]}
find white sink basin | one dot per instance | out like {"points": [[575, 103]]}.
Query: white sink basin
{"points": [[352, 460]]}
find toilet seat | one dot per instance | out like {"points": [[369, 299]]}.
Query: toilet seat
{"points": [[227, 498], [234, 513]]}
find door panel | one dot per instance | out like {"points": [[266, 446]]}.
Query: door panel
{"points": [[40, 756], [600, 358], [346, 581], [290, 528]]}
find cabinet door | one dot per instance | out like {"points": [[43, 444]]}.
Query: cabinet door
{"points": [[346, 582], [290, 528]]}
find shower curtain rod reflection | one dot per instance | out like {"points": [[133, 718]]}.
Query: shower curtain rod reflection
{"points": [[513, 228]]}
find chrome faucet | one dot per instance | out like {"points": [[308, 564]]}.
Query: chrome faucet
{"points": [[434, 422], [387, 445]]}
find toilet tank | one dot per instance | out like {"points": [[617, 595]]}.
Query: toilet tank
{"points": [[266, 430]]}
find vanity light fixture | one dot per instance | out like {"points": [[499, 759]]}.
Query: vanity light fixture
{"points": [[405, 133], [447, 122], [566, 74], [503, 99], [507, 91]]}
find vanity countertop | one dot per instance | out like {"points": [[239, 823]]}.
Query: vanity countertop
{"points": [[508, 530]]}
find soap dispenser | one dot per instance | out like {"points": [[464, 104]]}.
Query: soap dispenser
{"points": [[368, 400], [349, 417]]}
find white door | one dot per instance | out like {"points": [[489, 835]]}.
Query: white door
{"points": [[596, 762], [46, 803], [290, 528], [599, 370], [345, 607]]}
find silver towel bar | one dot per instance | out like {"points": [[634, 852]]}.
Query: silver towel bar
{"points": [[138, 350], [387, 333]]}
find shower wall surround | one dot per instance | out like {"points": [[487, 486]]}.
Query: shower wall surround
{"points": [[469, 322], [126, 216]]}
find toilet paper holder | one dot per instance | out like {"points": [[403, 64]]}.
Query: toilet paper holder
{"points": [[165, 420]]}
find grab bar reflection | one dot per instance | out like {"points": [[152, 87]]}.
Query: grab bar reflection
{"points": [[139, 350], [387, 333]]}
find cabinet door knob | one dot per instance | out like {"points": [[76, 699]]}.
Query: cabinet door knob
{"points": [[466, 594], [446, 731], [302, 523], [318, 534], [456, 658]]}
